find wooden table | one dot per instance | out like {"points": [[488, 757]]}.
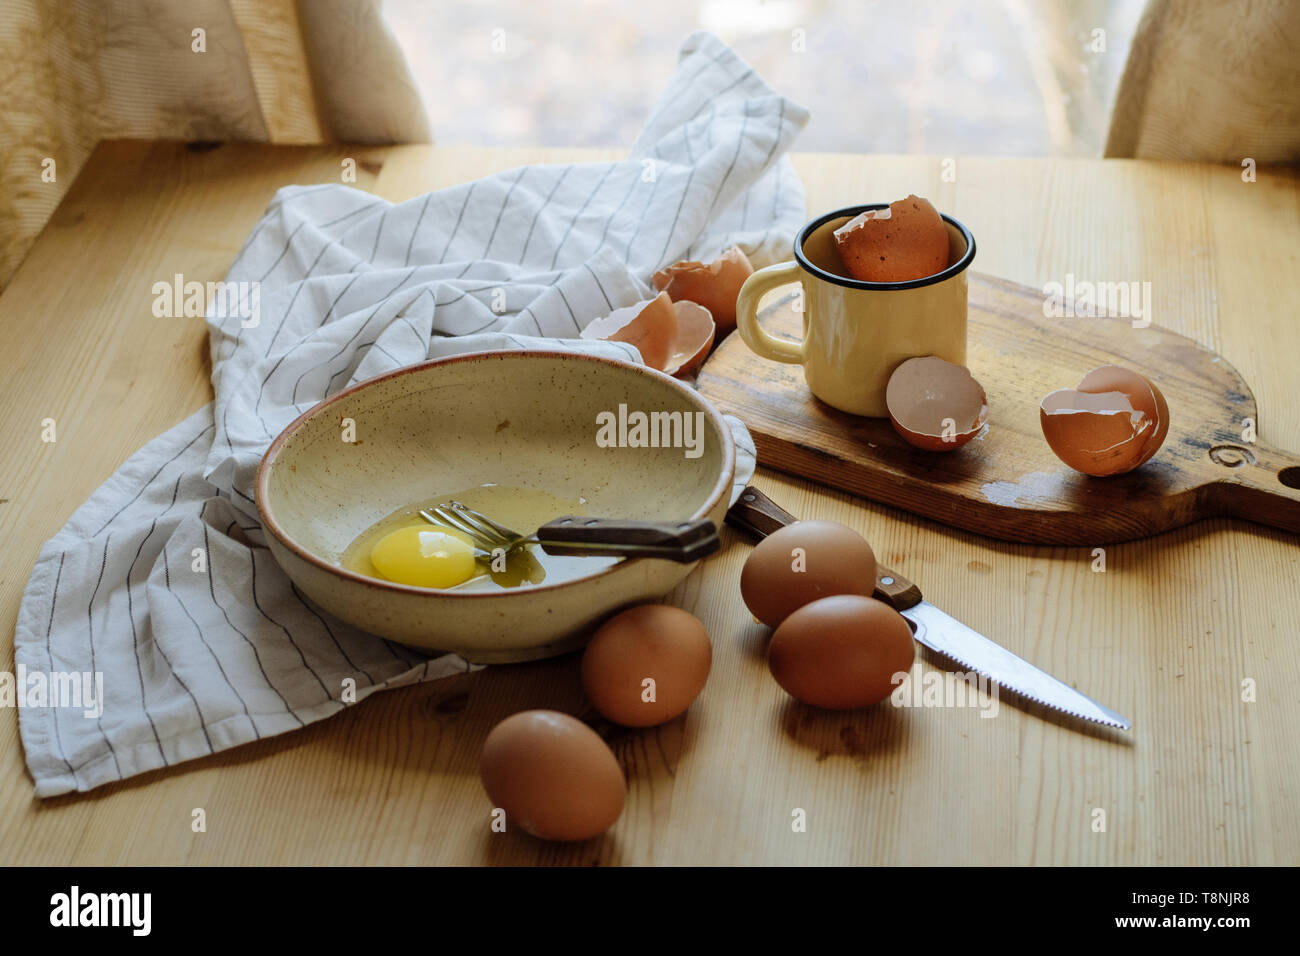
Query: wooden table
{"points": [[1165, 636]]}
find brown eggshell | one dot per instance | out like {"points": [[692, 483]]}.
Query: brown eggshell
{"points": [[1113, 422], [552, 775], [657, 642], [923, 392], [714, 285], [841, 652], [651, 326], [904, 242], [777, 579], [695, 333], [1092, 434], [1142, 394]]}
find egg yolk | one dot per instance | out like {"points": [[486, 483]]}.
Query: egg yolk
{"points": [[423, 557]]}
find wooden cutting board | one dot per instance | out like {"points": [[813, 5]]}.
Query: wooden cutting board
{"points": [[1007, 483]]}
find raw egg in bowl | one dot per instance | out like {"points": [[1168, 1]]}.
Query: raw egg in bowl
{"points": [[523, 437]]}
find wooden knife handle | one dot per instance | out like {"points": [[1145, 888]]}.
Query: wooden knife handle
{"points": [[895, 590], [757, 514]]}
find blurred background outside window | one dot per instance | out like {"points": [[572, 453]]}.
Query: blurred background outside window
{"points": [[983, 77]]}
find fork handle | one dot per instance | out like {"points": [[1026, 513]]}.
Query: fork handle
{"points": [[682, 541]]}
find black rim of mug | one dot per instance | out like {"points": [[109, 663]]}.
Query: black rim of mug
{"points": [[851, 211]]}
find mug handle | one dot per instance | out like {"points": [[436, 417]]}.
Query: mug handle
{"points": [[755, 287]]}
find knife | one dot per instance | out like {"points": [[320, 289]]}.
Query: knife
{"points": [[757, 514]]}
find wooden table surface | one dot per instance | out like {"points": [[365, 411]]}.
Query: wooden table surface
{"points": [[1166, 635]]}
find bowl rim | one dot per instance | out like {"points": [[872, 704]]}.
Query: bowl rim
{"points": [[721, 487]]}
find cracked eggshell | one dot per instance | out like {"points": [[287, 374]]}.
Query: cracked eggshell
{"points": [[651, 326], [924, 392], [1143, 396], [904, 242], [1114, 421], [714, 285], [695, 333]]}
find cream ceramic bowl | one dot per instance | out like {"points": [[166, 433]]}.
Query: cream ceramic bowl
{"points": [[524, 419]]}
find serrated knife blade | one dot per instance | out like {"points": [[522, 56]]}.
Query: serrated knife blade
{"points": [[759, 515], [950, 637]]}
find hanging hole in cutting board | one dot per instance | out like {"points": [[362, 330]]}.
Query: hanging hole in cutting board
{"points": [[1231, 456]]}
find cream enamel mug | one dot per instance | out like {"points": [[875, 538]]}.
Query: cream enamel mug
{"points": [[856, 333]]}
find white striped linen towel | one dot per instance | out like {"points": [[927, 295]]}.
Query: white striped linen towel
{"points": [[353, 286]]}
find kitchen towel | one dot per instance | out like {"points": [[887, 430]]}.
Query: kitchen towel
{"points": [[161, 581]]}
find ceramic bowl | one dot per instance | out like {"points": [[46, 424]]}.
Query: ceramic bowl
{"points": [[523, 419]]}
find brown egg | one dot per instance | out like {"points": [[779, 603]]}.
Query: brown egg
{"points": [[935, 405], [904, 242], [1114, 421], [802, 562], [714, 286], [695, 332], [651, 326], [841, 652], [552, 775], [655, 643]]}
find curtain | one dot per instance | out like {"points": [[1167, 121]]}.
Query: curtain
{"points": [[74, 72], [1213, 82]]}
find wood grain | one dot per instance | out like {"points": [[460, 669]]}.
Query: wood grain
{"points": [[1166, 635], [1007, 483]]}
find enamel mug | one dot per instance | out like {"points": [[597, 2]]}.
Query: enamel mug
{"points": [[856, 333]]}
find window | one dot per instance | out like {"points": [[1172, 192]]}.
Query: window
{"points": [[938, 77]]}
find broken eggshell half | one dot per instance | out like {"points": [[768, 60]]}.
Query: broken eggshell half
{"points": [[673, 337], [651, 326], [934, 404], [714, 285], [695, 333], [903, 242], [1112, 422]]}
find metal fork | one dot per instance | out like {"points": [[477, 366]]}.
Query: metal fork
{"points": [[681, 541]]}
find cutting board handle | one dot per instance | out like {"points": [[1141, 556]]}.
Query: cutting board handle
{"points": [[1259, 483]]}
